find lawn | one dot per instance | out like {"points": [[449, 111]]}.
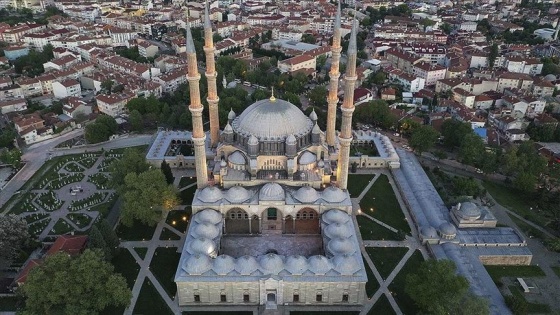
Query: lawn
{"points": [[163, 266], [181, 219], [386, 259], [371, 285], [310, 313], [61, 227], [137, 232], [382, 307], [529, 230], [167, 234], [357, 183], [373, 231], [497, 272], [185, 181], [404, 301], [126, 265], [532, 307], [79, 219], [187, 195], [150, 302], [381, 203], [141, 251], [514, 201]]}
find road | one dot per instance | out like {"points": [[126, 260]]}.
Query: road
{"points": [[37, 154]]}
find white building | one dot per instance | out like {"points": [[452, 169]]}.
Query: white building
{"points": [[66, 88]]}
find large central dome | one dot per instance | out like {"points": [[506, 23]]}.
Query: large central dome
{"points": [[272, 119]]}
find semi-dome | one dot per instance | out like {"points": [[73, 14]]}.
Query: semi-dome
{"points": [[202, 246], [346, 264], [307, 158], [271, 263], [205, 230], [237, 194], [469, 211], [272, 119], [237, 158], [333, 194], [272, 191], [246, 265], [335, 216], [341, 246], [208, 216], [223, 264], [428, 232], [210, 194], [296, 265], [338, 230], [306, 194], [197, 264], [447, 230], [319, 265]]}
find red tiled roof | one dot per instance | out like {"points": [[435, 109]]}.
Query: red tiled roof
{"points": [[22, 276], [71, 244]]}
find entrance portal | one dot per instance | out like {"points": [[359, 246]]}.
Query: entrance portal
{"points": [[271, 297]]}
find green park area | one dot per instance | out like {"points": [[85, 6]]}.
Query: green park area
{"points": [[371, 285], [357, 183], [381, 203], [405, 302], [370, 230], [382, 307], [386, 259]]}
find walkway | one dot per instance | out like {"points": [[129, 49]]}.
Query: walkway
{"points": [[410, 242]]}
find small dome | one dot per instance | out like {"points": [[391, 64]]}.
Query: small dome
{"points": [[232, 85], [338, 230], [335, 216], [447, 230], [223, 163], [272, 191], [341, 246], [319, 265], [197, 264], [321, 164], [306, 194], [316, 129], [253, 140], [237, 194], [313, 115], [296, 265], [228, 129], [550, 77], [291, 139], [307, 158], [208, 216], [202, 246], [231, 115], [271, 263], [333, 194], [428, 232], [237, 158], [346, 264], [246, 265], [205, 230], [223, 264], [210, 194], [469, 211]]}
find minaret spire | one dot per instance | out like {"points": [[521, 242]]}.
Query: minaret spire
{"points": [[211, 76], [345, 136], [334, 74], [198, 136]]}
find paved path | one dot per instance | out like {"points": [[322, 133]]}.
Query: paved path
{"points": [[144, 264]]}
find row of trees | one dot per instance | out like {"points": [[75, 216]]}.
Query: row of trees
{"points": [[32, 64]]}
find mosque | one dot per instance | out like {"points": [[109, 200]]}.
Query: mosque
{"points": [[272, 228]]}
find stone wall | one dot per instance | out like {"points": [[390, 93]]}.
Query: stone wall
{"points": [[506, 259]]}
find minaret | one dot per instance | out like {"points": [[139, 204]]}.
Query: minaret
{"points": [[198, 136], [211, 78], [334, 74], [347, 108]]}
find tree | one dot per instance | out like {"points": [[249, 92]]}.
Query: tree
{"points": [[259, 94], [318, 96], [136, 121], [147, 197], [13, 236], [166, 170], [321, 61], [107, 86], [435, 287], [472, 149], [454, 131], [132, 161], [96, 241], [85, 284], [494, 52], [446, 28], [308, 38], [12, 157], [379, 78], [423, 138], [101, 130], [109, 235]]}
